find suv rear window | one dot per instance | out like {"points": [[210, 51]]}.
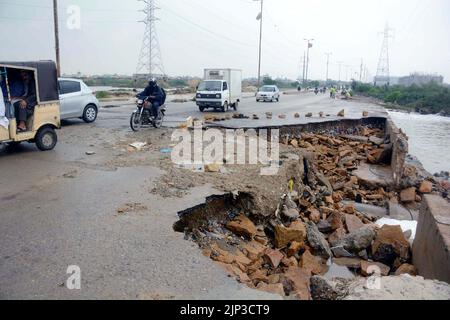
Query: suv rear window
{"points": [[69, 87]]}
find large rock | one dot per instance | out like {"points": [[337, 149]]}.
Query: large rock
{"points": [[406, 269], [369, 268], [426, 187], [296, 283], [311, 264], [390, 244], [285, 235], [325, 289], [317, 241], [295, 248], [356, 241], [352, 263], [242, 226], [273, 257], [335, 220], [408, 195], [353, 223]]}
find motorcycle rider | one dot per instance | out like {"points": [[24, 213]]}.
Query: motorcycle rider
{"points": [[155, 95]]}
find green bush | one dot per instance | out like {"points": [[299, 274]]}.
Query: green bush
{"points": [[429, 98]]}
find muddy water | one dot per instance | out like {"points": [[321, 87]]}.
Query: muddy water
{"points": [[429, 138]]}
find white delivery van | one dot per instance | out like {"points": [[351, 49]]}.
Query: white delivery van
{"points": [[221, 89]]}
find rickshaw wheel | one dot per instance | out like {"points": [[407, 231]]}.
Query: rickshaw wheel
{"points": [[46, 139]]}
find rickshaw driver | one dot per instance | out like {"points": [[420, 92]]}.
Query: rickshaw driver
{"points": [[24, 107]]}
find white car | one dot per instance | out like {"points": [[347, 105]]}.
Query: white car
{"points": [[77, 100], [268, 93]]}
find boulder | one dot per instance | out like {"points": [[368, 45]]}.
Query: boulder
{"points": [[426, 187], [297, 115], [291, 214], [352, 263], [369, 268], [408, 195], [341, 113], [365, 114], [317, 241], [356, 241], [311, 264], [294, 143], [314, 215], [353, 223], [406, 269], [273, 257], [390, 243], [285, 235], [242, 226], [295, 248], [289, 262], [324, 226], [213, 167], [335, 220], [309, 115], [296, 283], [337, 235], [254, 250], [340, 252], [259, 275]]}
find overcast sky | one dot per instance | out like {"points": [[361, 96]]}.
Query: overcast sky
{"points": [[197, 34]]}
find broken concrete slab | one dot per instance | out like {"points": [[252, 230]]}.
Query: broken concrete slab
{"points": [[374, 176]]}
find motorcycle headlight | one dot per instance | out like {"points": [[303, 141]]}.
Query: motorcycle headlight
{"points": [[140, 101]]}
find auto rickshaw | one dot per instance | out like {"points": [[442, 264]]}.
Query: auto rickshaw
{"points": [[42, 123]]}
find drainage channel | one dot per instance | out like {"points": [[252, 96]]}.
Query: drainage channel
{"points": [[318, 233]]}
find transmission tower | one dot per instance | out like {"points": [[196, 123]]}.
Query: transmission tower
{"points": [[150, 62], [383, 72]]}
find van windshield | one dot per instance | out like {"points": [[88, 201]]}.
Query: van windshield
{"points": [[210, 86]]}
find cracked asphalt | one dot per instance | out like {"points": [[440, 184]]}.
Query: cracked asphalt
{"points": [[59, 209]]}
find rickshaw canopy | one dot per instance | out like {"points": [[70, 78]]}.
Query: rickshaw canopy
{"points": [[46, 78]]}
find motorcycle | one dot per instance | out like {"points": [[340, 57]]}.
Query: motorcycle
{"points": [[142, 117]]}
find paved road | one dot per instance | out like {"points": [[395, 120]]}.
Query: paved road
{"points": [[60, 208]]}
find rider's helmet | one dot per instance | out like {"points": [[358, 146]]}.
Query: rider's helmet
{"points": [[152, 82]]}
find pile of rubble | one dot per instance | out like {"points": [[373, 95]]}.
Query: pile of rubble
{"points": [[316, 225]]}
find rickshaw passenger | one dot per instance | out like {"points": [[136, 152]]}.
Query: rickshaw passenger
{"points": [[24, 105]]}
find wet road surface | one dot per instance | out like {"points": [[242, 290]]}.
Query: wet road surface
{"points": [[59, 209]]}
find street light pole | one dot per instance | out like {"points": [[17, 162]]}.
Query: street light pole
{"points": [[328, 54], [55, 18], [260, 16], [307, 56]]}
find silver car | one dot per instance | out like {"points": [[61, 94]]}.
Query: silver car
{"points": [[77, 100], [268, 93]]}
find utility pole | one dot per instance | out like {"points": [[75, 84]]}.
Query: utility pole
{"points": [[260, 18], [150, 59], [304, 67], [340, 68], [309, 46], [361, 70], [328, 54], [56, 27]]}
